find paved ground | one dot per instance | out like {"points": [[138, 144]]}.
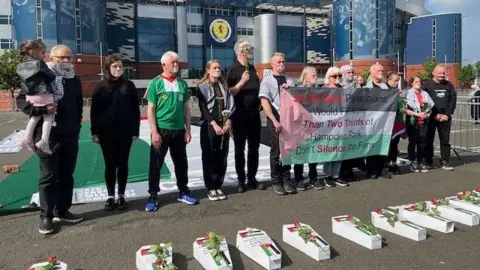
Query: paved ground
{"points": [[109, 241]]}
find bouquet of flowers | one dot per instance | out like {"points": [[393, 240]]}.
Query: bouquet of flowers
{"points": [[245, 49], [422, 207], [212, 242], [52, 263], [468, 196], [162, 252], [391, 217]]}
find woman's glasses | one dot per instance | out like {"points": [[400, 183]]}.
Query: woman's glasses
{"points": [[336, 76]]}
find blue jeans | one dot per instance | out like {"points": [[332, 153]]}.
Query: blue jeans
{"points": [[332, 168]]}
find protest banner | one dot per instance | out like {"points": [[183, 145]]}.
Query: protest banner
{"points": [[322, 124]]}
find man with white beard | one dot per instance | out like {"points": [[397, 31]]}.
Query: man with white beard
{"points": [[243, 82], [56, 170], [349, 81]]}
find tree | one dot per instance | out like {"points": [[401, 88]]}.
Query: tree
{"points": [[467, 74], [477, 69], [9, 81], [428, 68]]}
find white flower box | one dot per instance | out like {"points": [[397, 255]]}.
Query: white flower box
{"points": [[401, 227], [145, 260], [427, 220], [204, 256], [456, 214], [458, 203], [318, 249], [59, 266], [258, 246], [342, 226]]}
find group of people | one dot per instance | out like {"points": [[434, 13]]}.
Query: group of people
{"points": [[230, 105]]}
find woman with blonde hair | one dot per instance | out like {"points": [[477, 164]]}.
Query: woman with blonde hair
{"points": [[333, 80], [216, 105]]}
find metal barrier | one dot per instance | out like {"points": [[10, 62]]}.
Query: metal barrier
{"points": [[465, 131]]}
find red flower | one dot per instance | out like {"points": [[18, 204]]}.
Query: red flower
{"points": [[349, 218], [52, 259], [243, 234], [459, 195], [477, 189], [159, 263], [464, 192], [433, 200], [296, 224], [206, 236], [412, 207], [267, 245], [379, 211]]}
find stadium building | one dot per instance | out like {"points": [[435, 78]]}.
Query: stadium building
{"points": [[399, 34]]}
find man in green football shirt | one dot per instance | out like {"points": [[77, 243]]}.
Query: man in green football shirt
{"points": [[169, 120]]}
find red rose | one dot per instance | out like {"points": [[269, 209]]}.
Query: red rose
{"points": [[477, 189], [159, 263], [379, 211], [296, 224], [413, 207], [433, 200], [349, 218], [52, 259], [206, 236]]}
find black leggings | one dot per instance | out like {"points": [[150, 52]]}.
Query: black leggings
{"points": [[214, 156], [417, 138], [393, 152], [116, 152]]}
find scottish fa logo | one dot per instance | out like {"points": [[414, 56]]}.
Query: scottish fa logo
{"points": [[220, 30]]}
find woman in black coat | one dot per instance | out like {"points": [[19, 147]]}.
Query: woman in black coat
{"points": [[115, 123]]}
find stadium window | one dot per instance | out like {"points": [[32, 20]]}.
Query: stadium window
{"points": [[5, 44], [4, 19]]}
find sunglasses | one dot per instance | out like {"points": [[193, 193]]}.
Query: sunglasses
{"points": [[337, 76]]}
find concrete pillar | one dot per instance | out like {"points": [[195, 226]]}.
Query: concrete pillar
{"points": [[182, 43], [265, 44]]}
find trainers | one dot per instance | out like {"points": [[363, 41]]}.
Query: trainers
{"points": [[152, 204], [341, 182], [414, 167], [221, 195], [424, 168], [318, 184], [212, 195], [301, 186], [254, 184], [279, 189], [122, 203], [186, 198], [289, 188], [46, 226], [43, 146], [446, 166], [67, 217], [329, 182], [109, 204]]}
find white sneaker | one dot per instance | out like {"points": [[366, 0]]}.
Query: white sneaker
{"points": [[221, 195]]}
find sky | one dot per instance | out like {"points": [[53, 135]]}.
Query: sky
{"points": [[470, 24]]}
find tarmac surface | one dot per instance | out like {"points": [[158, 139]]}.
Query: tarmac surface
{"points": [[109, 240]]}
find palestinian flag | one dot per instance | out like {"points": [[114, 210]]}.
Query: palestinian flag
{"points": [[322, 125]]}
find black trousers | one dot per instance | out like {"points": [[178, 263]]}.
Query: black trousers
{"points": [[56, 182], [312, 171], [214, 156], [116, 152], [246, 126], [417, 139], [444, 136], [173, 140], [278, 172], [393, 151]]}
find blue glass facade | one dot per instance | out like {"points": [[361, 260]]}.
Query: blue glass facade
{"points": [[290, 40], [49, 23], [66, 24], [438, 36], [364, 29], [92, 14], [155, 36], [24, 21], [121, 29]]}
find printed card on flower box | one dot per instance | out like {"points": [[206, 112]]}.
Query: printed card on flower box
{"points": [[355, 230], [444, 209], [212, 252], [258, 246], [388, 220], [423, 217], [155, 257], [302, 237]]}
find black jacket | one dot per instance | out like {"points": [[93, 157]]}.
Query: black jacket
{"points": [[35, 76], [443, 95], [248, 95], [69, 114], [115, 111]]}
